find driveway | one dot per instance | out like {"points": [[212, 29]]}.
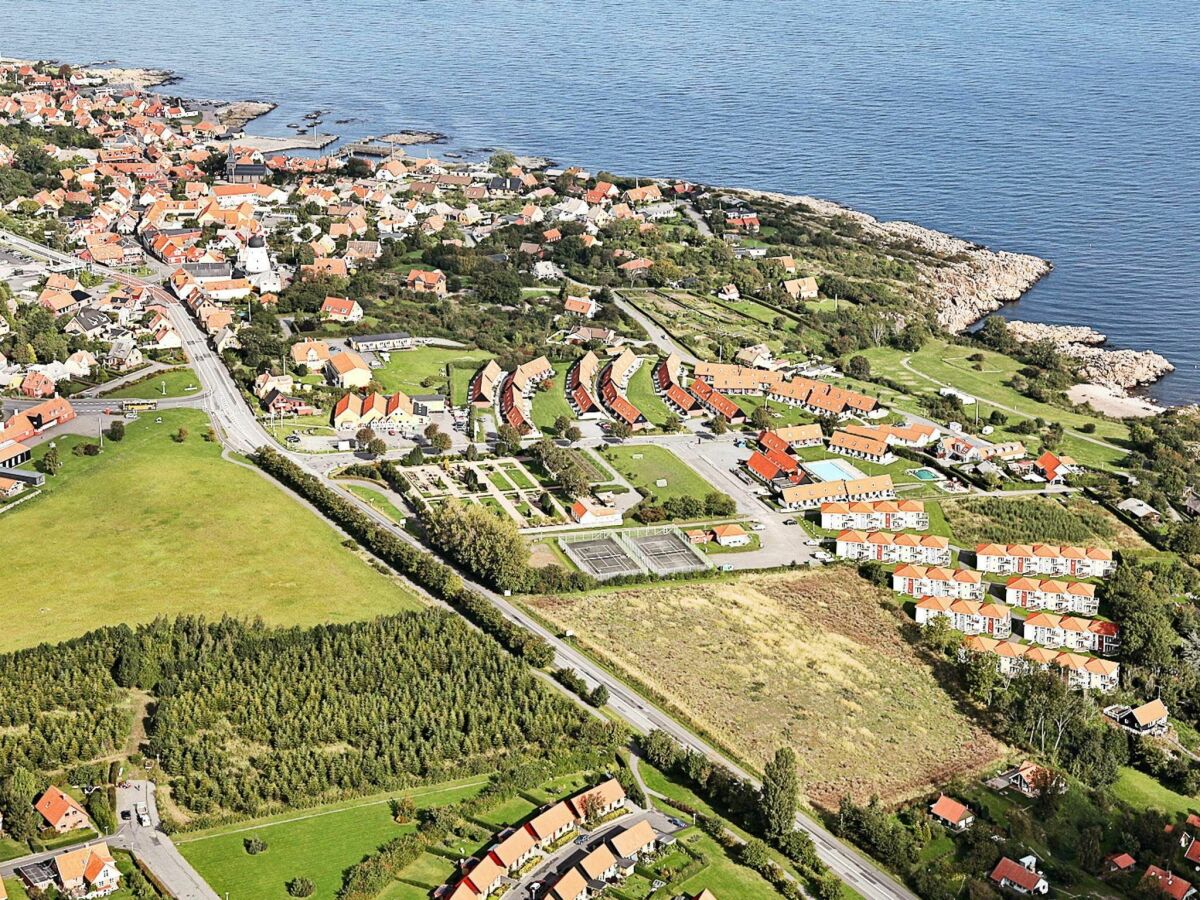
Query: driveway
{"points": [[153, 847]]}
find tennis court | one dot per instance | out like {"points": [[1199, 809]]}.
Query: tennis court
{"points": [[602, 557], [668, 552]]}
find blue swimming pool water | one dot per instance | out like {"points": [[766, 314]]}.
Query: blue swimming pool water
{"points": [[832, 470]]}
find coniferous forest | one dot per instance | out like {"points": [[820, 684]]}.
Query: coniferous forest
{"points": [[246, 718]]}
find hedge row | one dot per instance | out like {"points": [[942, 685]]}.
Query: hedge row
{"points": [[416, 564]]}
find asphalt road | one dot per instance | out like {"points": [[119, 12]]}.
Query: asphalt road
{"points": [[241, 432]]}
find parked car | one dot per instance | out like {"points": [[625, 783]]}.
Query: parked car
{"points": [[758, 526], [789, 521]]}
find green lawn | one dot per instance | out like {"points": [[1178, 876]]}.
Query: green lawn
{"points": [[641, 394], [500, 482], [317, 843], [153, 527], [783, 414], [947, 363], [518, 809], [551, 403], [16, 890], [408, 370], [379, 502], [644, 464], [724, 877], [1141, 791], [176, 380]]}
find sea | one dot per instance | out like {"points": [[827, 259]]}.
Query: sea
{"points": [[1064, 128]]}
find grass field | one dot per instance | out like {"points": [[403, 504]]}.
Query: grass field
{"points": [[814, 660], [781, 413], [379, 502], [1021, 520], [177, 381], [641, 394], [409, 370], [551, 403], [1141, 791], [318, 843], [16, 890], [656, 463], [152, 527], [941, 363]]}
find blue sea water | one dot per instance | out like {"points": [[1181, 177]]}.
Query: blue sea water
{"points": [[1065, 128]]}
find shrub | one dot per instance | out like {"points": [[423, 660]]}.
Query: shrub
{"points": [[254, 845], [300, 887]]}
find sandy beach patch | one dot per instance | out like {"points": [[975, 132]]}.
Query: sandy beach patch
{"points": [[1112, 403]]}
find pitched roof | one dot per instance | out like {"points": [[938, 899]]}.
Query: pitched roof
{"points": [[1013, 872], [949, 809], [606, 793], [597, 862], [551, 820], [633, 839], [54, 804], [1150, 712]]}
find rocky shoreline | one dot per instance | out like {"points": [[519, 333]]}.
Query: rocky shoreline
{"points": [[974, 282], [1117, 370]]}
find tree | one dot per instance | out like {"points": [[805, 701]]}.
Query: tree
{"points": [[508, 440], [101, 811], [672, 424], [779, 795], [377, 446], [599, 696], [49, 464], [718, 425], [501, 161], [981, 676], [17, 793], [115, 431], [431, 429], [300, 887], [499, 286], [441, 442], [403, 809], [561, 424], [414, 457], [754, 854], [620, 430], [859, 367], [938, 634], [572, 433], [364, 436], [761, 418], [180, 436]]}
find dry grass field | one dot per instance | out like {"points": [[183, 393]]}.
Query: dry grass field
{"points": [[814, 660], [1023, 520]]}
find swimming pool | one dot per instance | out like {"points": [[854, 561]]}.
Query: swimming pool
{"points": [[926, 474], [832, 470]]}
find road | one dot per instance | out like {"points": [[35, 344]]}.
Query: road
{"points": [[153, 848], [241, 432], [146, 842], [657, 334]]}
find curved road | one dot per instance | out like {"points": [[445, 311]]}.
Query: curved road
{"points": [[240, 431]]}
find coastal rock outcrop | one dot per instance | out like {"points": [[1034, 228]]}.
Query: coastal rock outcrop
{"points": [[1114, 369], [972, 282]]}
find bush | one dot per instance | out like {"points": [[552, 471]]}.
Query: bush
{"points": [[254, 845], [115, 431], [300, 887]]}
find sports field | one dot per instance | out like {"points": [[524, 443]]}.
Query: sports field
{"points": [[814, 660], [153, 527]]}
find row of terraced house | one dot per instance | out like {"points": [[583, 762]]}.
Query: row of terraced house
{"points": [[546, 832]]}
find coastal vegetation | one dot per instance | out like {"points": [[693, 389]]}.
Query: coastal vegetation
{"points": [[1043, 520]]}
